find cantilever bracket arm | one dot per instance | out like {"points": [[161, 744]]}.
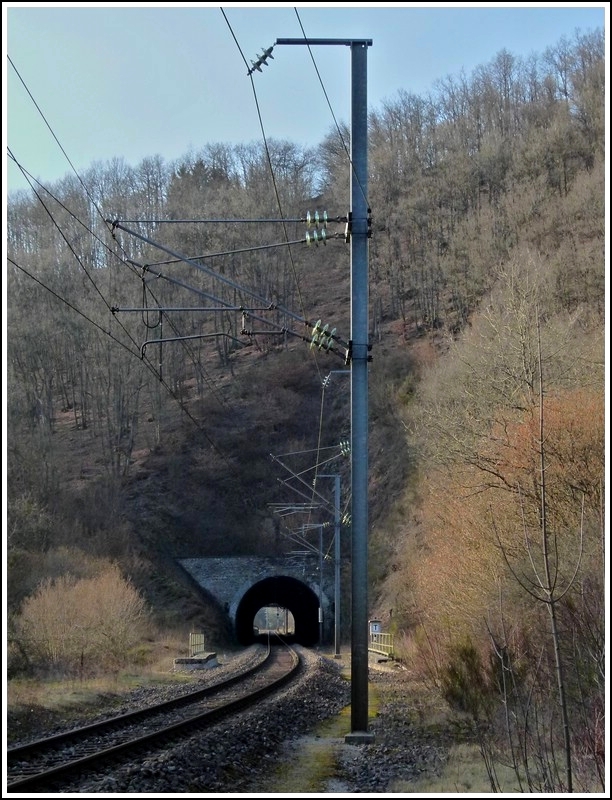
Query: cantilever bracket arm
{"points": [[183, 338]]}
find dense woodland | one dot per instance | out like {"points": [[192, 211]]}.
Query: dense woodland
{"points": [[487, 393]]}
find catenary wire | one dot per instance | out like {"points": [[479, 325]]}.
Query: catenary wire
{"points": [[272, 172], [196, 361], [346, 150], [267, 149], [93, 202]]}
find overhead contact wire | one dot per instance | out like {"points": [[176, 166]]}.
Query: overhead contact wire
{"points": [[267, 149]]}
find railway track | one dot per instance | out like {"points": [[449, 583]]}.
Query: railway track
{"points": [[52, 763]]}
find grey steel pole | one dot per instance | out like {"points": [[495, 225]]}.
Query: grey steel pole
{"points": [[336, 566], [359, 390], [320, 585], [336, 477], [359, 379]]}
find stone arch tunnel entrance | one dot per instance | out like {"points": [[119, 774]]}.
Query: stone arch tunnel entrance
{"points": [[244, 585], [285, 592]]}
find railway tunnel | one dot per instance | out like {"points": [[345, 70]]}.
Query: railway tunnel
{"points": [[285, 592], [242, 585]]}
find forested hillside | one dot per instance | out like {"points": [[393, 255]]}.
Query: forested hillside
{"points": [[487, 299]]}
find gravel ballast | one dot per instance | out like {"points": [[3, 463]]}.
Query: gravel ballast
{"points": [[240, 756]]}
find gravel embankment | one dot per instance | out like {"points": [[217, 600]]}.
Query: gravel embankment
{"points": [[238, 757]]}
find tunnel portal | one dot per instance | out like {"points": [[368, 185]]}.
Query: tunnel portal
{"points": [[285, 592]]}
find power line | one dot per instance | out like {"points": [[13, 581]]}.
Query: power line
{"points": [[87, 193], [70, 305], [276, 193], [306, 240], [307, 219], [71, 248], [319, 334], [118, 341], [79, 221], [129, 262], [346, 150], [46, 122], [125, 260], [233, 285]]}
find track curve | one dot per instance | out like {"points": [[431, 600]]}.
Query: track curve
{"points": [[47, 764]]}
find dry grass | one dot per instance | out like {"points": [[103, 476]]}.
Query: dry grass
{"points": [[464, 773], [312, 764], [35, 704], [71, 693]]}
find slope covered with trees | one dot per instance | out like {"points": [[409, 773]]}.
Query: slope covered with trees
{"points": [[487, 301]]}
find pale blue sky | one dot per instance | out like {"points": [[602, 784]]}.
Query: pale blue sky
{"points": [[136, 80]]}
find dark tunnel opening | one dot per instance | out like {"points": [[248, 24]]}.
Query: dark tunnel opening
{"points": [[284, 592]]}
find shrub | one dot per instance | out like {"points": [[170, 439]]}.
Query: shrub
{"points": [[80, 626], [465, 684]]}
